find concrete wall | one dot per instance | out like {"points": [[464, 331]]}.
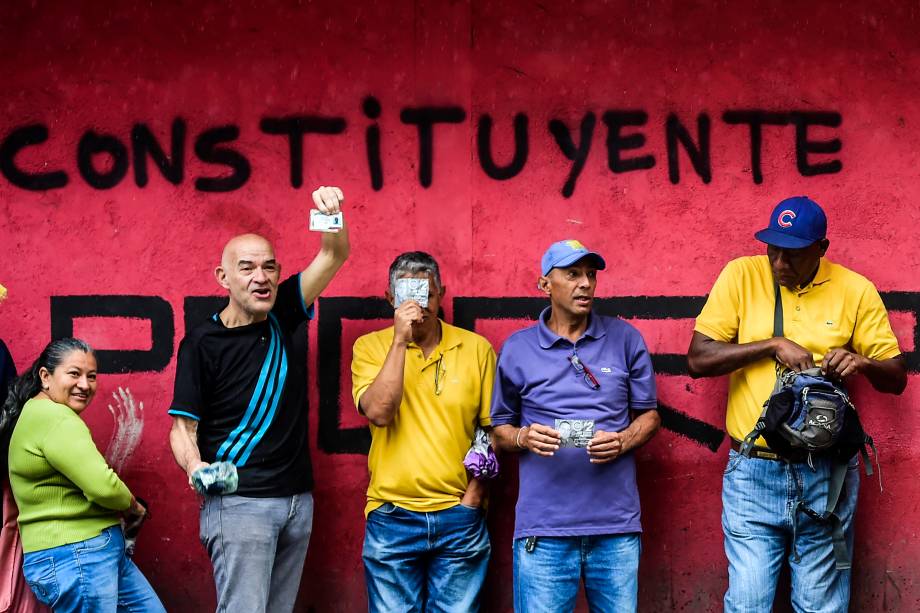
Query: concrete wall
{"points": [[658, 133]]}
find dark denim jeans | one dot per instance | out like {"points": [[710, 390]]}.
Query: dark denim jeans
{"points": [[759, 498], [92, 576], [425, 561], [546, 579]]}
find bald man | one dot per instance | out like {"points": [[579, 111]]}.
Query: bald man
{"points": [[240, 397]]}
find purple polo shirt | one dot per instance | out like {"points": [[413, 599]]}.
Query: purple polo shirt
{"points": [[566, 495]]}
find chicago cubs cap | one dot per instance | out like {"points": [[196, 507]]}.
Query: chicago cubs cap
{"points": [[565, 253], [795, 223]]}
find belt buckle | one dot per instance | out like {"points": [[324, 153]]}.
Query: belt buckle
{"points": [[766, 455]]}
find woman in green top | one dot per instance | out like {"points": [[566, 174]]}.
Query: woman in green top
{"points": [[70, 502]]}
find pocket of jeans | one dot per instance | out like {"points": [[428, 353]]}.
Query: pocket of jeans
{"points": [[41, 577], [469, 508], [96, 543], [734, 459], [387, 508]]}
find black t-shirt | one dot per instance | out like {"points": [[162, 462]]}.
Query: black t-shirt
{"points": [[246, 386]]}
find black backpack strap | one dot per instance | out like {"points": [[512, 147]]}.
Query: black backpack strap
{"points": [[834, 489], [868, 462], [777, 311], [747, 445]]}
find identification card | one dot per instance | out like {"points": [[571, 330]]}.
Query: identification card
{"points": [[575, 432], [321, 222], [411, 289]]}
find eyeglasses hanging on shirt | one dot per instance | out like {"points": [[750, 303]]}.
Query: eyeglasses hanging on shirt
{"points": [[439, 376], [582, 369]]}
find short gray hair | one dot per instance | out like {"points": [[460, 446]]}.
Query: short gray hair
{"points": [[414, 262]]}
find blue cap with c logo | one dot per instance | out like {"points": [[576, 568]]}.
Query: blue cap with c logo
{"points": [[795, 223]]}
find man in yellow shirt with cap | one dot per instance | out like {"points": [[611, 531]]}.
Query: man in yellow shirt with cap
{"points": [[832, 317], [424, 385]]}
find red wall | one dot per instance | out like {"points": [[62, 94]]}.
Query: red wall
{"points": [[103, 70]]}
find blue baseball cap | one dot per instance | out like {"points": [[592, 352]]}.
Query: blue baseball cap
{"points": [[565, 253], [795, 223]]}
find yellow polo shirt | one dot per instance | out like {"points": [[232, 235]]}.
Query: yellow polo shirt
{"points": [[839, 308], [417, 461]]}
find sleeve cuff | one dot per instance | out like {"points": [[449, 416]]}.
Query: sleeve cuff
{"points": [[712, 333], [887, 355], [176, 413]]}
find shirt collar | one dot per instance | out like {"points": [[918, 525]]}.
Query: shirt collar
{"points": [[824, 273], [548, 338], [822, 276], [450, 338]]}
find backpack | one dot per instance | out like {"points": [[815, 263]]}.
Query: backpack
{"points": [[809, 414]]}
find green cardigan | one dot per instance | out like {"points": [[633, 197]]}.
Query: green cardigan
{"points": [[65, 491]]}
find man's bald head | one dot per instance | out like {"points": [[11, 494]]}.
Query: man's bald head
{"points": [[244, 243], [249, 272]]}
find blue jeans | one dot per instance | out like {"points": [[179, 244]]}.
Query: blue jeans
{"points": [[257, 547], [91, 576], [759, 499], [425, 561], [546, 578]]}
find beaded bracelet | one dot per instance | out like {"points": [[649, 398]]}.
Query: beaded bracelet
{"points": [[517, 437]]}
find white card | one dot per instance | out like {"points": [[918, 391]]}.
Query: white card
{"points": [[575, 432], [321, 222], [411, 289]]}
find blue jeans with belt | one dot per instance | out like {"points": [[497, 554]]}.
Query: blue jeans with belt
{"points": [[759, 521], [548, 572], [425, 561], [91, 576]]}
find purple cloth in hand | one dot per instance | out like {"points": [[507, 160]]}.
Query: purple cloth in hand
{"points": [[480, 460]]}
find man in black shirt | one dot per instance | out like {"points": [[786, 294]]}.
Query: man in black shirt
{"points": [[240, 397]]}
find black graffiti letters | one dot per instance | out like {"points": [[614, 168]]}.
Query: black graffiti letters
{"points": [[634, 142], [208, 150], [803, 146], [617, 142], [425, 118], [698, 151], [484, 148], [144, 144], [371, 108], [295, 128], [578, 153], [18, 140], [65, 309], [93, 145]]}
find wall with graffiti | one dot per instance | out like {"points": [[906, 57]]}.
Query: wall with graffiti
{"points": [[136, 138]]}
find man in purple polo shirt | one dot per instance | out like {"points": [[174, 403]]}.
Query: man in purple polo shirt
{"points": [[576, 394]]}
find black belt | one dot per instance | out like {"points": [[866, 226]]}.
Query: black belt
{"points": [[763, 453]]}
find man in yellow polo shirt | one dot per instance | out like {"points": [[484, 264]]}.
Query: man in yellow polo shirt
{"points": [[833, 318], [424, 386]]}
